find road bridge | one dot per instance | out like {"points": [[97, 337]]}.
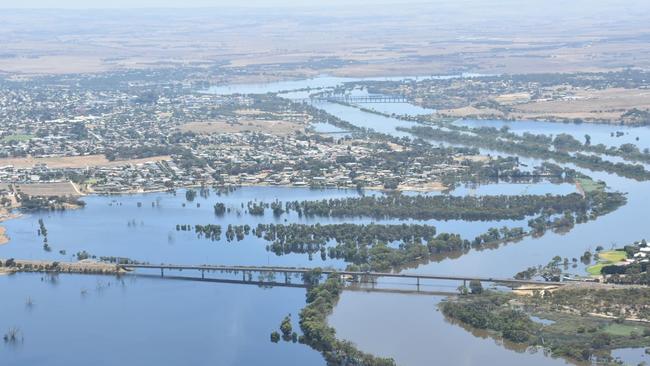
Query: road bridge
{"points": [[351, 287], [93, 267], [245, 270]]}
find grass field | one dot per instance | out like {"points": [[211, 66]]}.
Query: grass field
{"points": [[19, 138], [589, 185], [624, 330], [605, 259]]}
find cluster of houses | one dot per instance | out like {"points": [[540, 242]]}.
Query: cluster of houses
{"points": [[247, 158], [51, 123], [46, 122], [263, 159], [643, 253]]}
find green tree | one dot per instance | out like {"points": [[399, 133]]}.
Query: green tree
{"points": [[286, 328], [475, 287], [275, 337]]}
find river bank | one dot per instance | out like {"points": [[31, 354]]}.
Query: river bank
{"points": [[233, 322]]}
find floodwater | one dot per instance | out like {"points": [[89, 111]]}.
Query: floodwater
{"points": [[100, 320], [143, 228], [605, 134], [410, 329], [323, 81], [73, 319], [318, 82], [632, 356]]}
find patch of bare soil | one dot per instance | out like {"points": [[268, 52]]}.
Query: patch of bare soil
{"points": [[275, 127]]}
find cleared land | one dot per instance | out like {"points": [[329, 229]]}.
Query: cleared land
{"points": [[420, 39], [425, 187], [608, 105], [83, 266], [76, 161], [49, 189], [586, 185], [266, 126], [19, 138], [606, 259]]}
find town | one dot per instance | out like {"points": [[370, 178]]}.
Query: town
{"points": [[116, 142]]}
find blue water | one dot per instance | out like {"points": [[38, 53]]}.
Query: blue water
{"points": [[363, 119], [631, 356], [117, 226], [398, 108], [143, 321], [77, 320], [323, 81], [319, 82], [414, 332], [600, 133]]}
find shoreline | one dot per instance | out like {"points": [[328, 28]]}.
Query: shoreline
{"points": [[6, 215], [430, 187], [4, 239], [360, 76]]}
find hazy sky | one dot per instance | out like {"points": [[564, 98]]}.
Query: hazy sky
{"points": [[507, 10], [83, 4], [521, 5]]}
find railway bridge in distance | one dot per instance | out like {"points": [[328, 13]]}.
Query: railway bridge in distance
{"points": [[356, 99]]}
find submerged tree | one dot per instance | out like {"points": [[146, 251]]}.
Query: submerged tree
{"points": [[286, 328]]}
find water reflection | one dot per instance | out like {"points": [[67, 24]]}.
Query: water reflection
{"points": [[606, 134], [147, 322], [632, 356], [143, 228], [412, 330]]}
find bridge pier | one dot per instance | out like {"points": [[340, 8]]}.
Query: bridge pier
{"points": [[360, 99], [363, 277]]}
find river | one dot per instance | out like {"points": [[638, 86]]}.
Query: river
{"points": [[153, 321]]}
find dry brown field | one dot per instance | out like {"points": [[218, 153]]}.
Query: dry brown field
{"points": [[275, 127], [589, 105], [49, 189], [419, 39], [76, 161], [610, 103]]}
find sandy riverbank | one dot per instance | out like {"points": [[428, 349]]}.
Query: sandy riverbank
{"points": [[5, 215], [84, 266], [4, 239]]}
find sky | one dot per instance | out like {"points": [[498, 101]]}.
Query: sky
{"points": [[85, 4], [102, 4], [522, 10]]}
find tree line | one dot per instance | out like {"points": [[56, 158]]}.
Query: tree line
{"points": [[447, 207], [526, 145]]}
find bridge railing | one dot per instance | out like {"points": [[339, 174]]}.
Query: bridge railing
{"points": [[288, 270], [358, 99]]}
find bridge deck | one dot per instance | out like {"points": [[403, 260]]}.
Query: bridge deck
{"points": [[209, 268], [357, 99]]}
